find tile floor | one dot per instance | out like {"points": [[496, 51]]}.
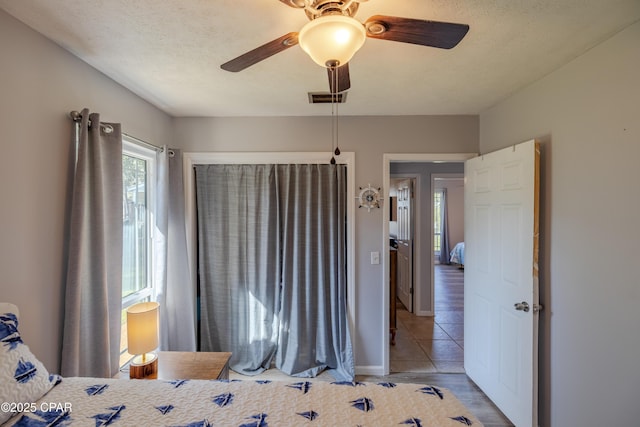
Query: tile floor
{"points": [[433, 344]]}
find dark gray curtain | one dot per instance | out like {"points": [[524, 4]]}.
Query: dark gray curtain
{"points": [[445, 248], [238, 263], [272, 267], [93, 294], [314, 333]]}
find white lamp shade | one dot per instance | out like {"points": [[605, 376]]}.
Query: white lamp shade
{"points": [[332, 39], [142, 327]]}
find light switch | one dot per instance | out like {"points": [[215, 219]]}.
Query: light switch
{"points": [[375, 257]]}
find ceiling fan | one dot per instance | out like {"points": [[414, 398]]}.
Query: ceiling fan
{"points": [[333, 36]]}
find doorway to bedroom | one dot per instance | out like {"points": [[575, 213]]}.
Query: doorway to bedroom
{"points": [[448, 268]]}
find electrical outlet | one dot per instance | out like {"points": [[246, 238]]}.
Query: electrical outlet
{"points": [[375, 257]]}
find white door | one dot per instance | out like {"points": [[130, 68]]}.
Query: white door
{"points": [[501, 278], [405, 244]]}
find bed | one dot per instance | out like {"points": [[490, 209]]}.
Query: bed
{"points": [[49, 400], [457, 254], [94, 401]]}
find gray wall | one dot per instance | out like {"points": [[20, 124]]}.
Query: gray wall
{"points": [[587, 114], [424, 171], [39, 84], [369, 138]]}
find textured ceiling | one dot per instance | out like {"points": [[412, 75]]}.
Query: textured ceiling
{"points": [[169, 52]]}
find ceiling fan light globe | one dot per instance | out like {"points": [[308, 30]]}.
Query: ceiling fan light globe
{"points": [[332, 39]]}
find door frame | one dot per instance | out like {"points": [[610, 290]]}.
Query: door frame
{"points": [[387, 159]]}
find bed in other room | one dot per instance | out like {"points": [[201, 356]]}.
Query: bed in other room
{"points": [[457, 254]]}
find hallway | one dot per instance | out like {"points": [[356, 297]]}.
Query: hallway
{"points": [[433, 344]]}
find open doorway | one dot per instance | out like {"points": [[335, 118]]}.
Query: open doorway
{"points": [[511, 377], [429, 339], [448, 271]]}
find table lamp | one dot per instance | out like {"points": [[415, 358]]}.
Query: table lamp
{"points": [[142, 339]]}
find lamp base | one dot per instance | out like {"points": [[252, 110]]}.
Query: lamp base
{"points": [[139, 369]]}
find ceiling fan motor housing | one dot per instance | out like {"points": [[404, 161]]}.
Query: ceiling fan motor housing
{"points": [[319, 8]]}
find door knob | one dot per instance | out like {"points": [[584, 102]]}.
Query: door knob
{"points": [[522, 306]]}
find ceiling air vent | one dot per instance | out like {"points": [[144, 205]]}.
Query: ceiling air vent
{"points": [[325, 97]]}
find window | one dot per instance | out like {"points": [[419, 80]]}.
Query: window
{"points": [[437, 221], [138, 171]]}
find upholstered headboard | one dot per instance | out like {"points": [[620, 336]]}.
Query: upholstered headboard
{"points": [[7, 307]]}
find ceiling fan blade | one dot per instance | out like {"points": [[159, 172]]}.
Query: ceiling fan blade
{"points": [[444, 35], [260, 53], [344, 82], [298, 4]]}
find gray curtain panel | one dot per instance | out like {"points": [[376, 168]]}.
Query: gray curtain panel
{"points": [[93, 294], [238, 263], [314, 330], [172, 278], [160, 245], [445, 246], [273, 267]]}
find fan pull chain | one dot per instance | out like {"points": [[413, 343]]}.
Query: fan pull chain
{"points": [[333, 112], [334, 70], [337, 150], [334, 115]]}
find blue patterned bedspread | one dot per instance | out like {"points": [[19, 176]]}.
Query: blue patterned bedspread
{"points": [[109, 402], [457, 254]]}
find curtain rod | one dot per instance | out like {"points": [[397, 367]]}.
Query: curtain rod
{"points": [[76, 116]]}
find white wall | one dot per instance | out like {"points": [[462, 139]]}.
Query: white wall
{"points": [[369, 138], [455, 203], [587, 114], [39, 84], [455, 206]]}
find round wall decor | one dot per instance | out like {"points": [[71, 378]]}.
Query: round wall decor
{"points": [[369, 197]]}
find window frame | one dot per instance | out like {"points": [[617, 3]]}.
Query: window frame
{"points": [[437, 234], [148, 293]]}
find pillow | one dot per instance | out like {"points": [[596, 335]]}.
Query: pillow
{"points": [[7, 307], [23, 378]]}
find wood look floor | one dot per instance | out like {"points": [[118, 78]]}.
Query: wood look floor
{"points": [[429, 350]]}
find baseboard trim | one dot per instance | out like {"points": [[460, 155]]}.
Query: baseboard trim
{"points": [[424, 313], [370, 370]]}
